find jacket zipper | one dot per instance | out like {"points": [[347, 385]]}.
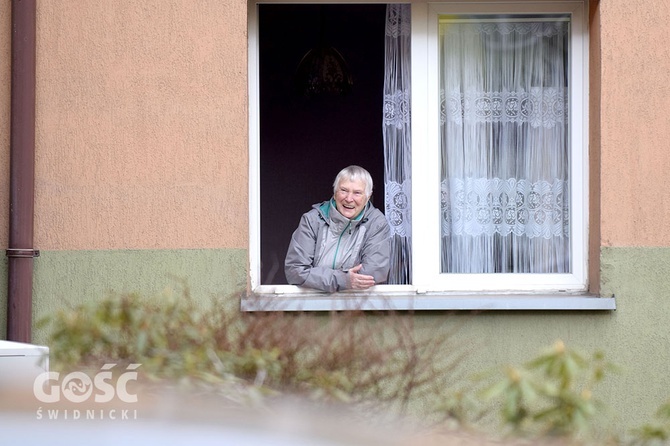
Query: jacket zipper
{"points": [[339, 239]]}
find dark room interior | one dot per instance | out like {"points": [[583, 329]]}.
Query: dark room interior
{"points": [[308, 136]]}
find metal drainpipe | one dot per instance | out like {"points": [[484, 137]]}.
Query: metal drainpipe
{"points": [[22, 173]]}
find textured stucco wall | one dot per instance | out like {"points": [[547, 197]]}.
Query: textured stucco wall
{"points": [[635, 124], [141, 124], [634, 337], [66, 279]]}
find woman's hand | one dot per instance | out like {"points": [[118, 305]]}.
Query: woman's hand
{"points": [[360, 281]]}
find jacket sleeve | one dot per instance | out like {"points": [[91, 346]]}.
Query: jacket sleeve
{"points": [[298, 265], [376, 250]]}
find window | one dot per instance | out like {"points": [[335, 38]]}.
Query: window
{"points": [[511, 147], [497, 203]]}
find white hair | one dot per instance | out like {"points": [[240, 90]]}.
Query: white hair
{"points": [[354, 173]]}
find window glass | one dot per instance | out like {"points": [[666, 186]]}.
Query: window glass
{"points": [[504, 144]]}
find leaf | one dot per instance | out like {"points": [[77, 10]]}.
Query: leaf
{"points": [[664, 411], [495, 390]]}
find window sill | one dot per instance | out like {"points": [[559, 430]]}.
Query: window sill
{"points": [[417, 302]]}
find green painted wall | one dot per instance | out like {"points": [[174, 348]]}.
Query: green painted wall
{"points": [[636, 336], [67, 278]]}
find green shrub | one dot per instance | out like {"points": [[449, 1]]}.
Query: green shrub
{"points": [[379, 361], [655, 433], [551, 395]]}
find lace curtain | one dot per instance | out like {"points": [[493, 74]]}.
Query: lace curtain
{"points": [[397, 137], [505, 157]]}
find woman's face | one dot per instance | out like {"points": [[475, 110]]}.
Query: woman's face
{"points": [[350, 198]]}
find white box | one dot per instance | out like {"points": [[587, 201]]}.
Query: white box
{"points": [[20, 364]]}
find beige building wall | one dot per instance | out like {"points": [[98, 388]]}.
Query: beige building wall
{"points": [[635, 131], [141, 125], [160, 89]]}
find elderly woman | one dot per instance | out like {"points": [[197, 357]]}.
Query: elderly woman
{"points": [[342, 243]]}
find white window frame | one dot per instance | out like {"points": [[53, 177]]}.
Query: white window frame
{"points": [[425, 175], [429, 288]]}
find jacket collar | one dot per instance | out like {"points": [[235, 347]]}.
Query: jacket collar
{"points": [[328, 210]]}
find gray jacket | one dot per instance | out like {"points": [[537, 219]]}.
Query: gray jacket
{"points": [[326, 244]]}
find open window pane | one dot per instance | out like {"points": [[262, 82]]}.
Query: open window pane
{"points": [[312, 123]]}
